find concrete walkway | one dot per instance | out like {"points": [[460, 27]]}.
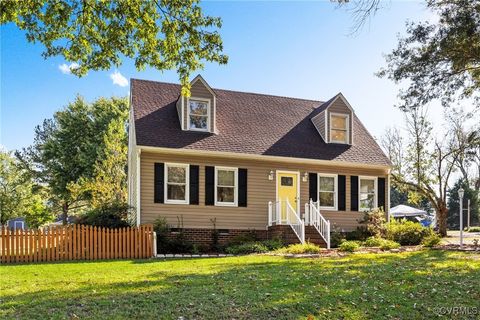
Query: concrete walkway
{"points": [[453, 237]]}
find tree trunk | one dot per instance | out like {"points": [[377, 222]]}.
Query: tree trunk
{"points": [[65, 213], [442, 219]]}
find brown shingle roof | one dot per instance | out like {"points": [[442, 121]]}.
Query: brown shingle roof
{"points": [[246, 123]]}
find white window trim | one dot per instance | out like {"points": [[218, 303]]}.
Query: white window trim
{"points": [[235, 193], [21, 223], [375, 198], [347, 117], [208, 114], [187, 183], [335, 198]]}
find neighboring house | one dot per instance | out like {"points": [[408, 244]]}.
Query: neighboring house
{"points": [[250, 162], [17, 224]]}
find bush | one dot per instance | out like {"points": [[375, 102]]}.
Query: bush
{"points": [[349, 246], [389, 245], [299, 248], [176, 245], [336, 237], [360, 234], [407, 232], [247, 247], [273, 244], [374, 223], [111, 215], [243, 238], [431, 240], [474, 229], [373, 242]]}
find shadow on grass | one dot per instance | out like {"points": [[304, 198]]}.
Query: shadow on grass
{"points": [[371, 286]]}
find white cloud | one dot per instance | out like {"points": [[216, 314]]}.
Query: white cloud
{"points": [[67, 69], [119, 79]]}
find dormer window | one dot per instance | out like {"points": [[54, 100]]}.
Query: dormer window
{"points": [[339, 124], [199, 111]]}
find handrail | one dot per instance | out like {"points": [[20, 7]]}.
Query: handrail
{"points": [[316, 219], [297, 224], [288, 216]]}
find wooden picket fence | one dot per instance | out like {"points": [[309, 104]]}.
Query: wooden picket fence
{"points": [[76, 242]]}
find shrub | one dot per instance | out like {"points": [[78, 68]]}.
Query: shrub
{"points": [[374, 223], [407, 232], [111, 215], [243, 238], [349, 246], [431, 240], [360, 234], [299, 248], [247, 247], [374, 242], [474, 229], [389, 245], [273, 244], [336, 238]]}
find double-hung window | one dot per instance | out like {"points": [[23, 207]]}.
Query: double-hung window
{"points": [[176, 183], [339, 128], [199, 114], [367, 193], [327, 191], [226, 186]]}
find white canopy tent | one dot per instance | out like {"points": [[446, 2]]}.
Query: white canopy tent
{"points": [[406, 211]]}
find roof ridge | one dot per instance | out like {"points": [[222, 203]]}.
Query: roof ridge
{"points": [[236, 91]]}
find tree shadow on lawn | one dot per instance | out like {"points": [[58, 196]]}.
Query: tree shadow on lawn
{"points": [[372, 286]]}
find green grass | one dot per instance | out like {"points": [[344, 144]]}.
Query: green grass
{"points": [[372, 286]]}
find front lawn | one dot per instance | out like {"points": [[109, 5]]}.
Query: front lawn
{"points": [[413, 285]]}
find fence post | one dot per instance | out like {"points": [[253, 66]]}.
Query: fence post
{"points": [[154, 244], [307, 215], [328, 234]]}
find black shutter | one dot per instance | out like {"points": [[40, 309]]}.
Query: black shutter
{"points": [[381, 193], [158, 183], [209, 186], [242, 187], [194, 175], [354, 193], [312, 186], [341, 197]]}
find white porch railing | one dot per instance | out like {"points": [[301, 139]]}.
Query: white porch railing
{"points": [[314, 218], [281, 212]]}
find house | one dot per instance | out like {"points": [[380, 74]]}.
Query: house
{"points": [[17, 224], [250, 162]]}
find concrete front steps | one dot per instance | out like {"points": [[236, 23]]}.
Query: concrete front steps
{"points": [[286, 233]]}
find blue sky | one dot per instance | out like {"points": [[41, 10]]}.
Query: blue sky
{"points": [[298, 49]]}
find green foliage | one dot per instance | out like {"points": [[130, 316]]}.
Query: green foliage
{"points": [[112, 215], [96, 35], [349, 246], [336, 237], [406, 232], [299, 248], [80, 155], [252, 246], [453, 218], [373, 242], [247, 247], [19, 195], [243, 237], [173, 243], [374, 222], [431, 240], [474, 229], [389, 245], [439, 59]]}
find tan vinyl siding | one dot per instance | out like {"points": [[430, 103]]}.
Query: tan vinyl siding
{"points": [[260, 191], [319, 123], [340, 107], [199, 90], [179, 111]]}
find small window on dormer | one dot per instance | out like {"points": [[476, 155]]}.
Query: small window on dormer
{"points": [[339, 128], [198, 114]]}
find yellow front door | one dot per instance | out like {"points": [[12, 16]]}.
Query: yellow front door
{"points": [[287, 184]]}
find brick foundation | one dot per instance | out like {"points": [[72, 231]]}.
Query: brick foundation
{"points": [[204, 236]]}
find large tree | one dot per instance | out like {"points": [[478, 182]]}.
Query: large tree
{"points": [[96, 35], [19, 195], [439, 60], [78, 151], [425, 168]]}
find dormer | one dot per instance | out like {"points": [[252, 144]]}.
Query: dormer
{"points": [[335, 122], [197, 112]]}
